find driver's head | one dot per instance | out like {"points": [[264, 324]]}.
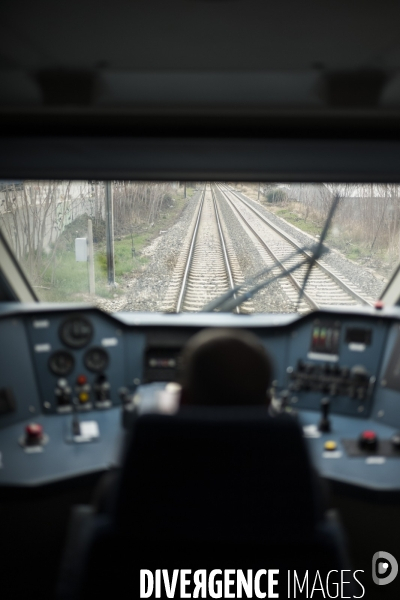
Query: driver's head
{"points": [[225, 367]]}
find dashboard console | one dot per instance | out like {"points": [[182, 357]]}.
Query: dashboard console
{"points": [[69, 373]]}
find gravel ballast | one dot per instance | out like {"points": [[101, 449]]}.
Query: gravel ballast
{"points": [[149, 289], [271, 299]]}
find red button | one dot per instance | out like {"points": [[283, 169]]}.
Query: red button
{"points": [[368, 434], [368, 440], [379, 305], [34, 431], [81, 379]]}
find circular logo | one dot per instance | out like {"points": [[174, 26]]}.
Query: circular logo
{"points": [[384, 568]]}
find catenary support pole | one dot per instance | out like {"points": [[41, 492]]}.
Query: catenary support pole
{"points": [[110, 234]]}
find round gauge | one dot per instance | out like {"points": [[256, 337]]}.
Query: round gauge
{"points": [[76, 332], [61, 363], [96, 360]]}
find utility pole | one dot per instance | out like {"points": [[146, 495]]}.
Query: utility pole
{"points": [[91, 258], [96, 201], [110, 233]]}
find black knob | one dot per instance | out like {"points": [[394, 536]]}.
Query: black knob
{"points": [[359, 374], [396, 440]]}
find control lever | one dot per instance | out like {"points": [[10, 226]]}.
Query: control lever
{"points": [[76, 426], [129, 407], [325, 424], [285, 394]]}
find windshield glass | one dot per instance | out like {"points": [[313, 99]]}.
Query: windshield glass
{"points": [[177, 246]]}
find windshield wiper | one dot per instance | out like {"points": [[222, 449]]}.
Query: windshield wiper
{"points": [[318, 250], [222, 302], [229, 301], [234, 302]]}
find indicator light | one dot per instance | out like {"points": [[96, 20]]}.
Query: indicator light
{"points": [[330, 445]]}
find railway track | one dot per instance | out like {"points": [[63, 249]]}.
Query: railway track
{"points": [[325, 287], [208, 268]]}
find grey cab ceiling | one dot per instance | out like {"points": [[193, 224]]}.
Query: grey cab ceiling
{"points": [[182, 53]]}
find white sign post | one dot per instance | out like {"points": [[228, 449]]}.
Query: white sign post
{"points": [[84, 253], [81, 254]]}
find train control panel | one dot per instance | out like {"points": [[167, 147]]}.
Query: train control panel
{"points": [[72, 375]]}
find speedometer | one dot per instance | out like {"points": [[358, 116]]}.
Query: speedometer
{"points": [[96, 360], [76, 332], [61, 363]]}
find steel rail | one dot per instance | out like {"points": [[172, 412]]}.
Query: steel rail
{"points": [[295, 283], [329, 273], [190, 255], [223, 246]]}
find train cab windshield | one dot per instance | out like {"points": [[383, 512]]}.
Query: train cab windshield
{"points": [[203, 246], [133, 315]]}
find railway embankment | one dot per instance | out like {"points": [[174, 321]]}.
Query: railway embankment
{"points": [[147, 292]]}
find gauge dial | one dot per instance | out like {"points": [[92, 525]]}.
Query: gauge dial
{"points": [[96, 360], [76, 332], [61, 363]]}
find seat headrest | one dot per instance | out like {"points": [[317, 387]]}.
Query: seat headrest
{"points": [[222, 474]]}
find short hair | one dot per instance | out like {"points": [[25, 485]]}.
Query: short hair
{"points": [[225, 367]]}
